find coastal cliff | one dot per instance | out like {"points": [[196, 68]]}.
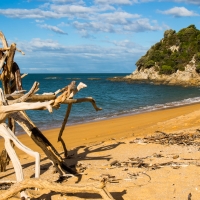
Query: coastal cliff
{"points": [[188, 77], [175, 60]]}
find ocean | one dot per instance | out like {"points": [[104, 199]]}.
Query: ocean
{"points": [[115, 98]]}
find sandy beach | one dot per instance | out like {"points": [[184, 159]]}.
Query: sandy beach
{"points": [[120, 150]]}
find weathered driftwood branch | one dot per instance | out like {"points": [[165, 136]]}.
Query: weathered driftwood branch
{"points": [[11, 81], [42, 184], [65, 121], [3, 57], [68, 92], [62, 129], [5, 54], [10, 138], [65, 94], [7, 78], [71, 92], [23, 120], [16, 83], [3, 40], [35, 98], [81, 100], [23, 98]]}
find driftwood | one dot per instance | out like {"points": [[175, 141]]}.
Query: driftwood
{"points": [[62, 129], [10, 78], [171, 139], [35, 98], [24, 97], [4, 50], [42, 184], [10, 138], [9, 75], [31, 129], [23, 120], [69, 92]]}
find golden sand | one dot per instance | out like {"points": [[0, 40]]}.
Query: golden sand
{"points": [[85, 142], [138, 125]]}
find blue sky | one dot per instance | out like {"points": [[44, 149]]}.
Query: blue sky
{"points": [[90, 36]]}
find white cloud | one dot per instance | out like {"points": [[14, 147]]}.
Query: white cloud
{"points": [[53, 28], [123, 2], [142, 25], [62, 1], [37, 43], [31, 13], [85, 34], [39, 21], [63, 24], [97, 18], [56, 11], [179, 12], [80, 2], [79, 11], [50, 46], [44, 54], [64, 9], [94, 27], [125, 43], [117, 22], [118, 17], [196, 2]]}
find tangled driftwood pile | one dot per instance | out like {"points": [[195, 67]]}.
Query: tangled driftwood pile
{"points": [[171, 139], [159, 160], [13, 102]]}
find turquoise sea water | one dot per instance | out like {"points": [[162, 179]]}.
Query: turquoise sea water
{"points": [[116, 98]]}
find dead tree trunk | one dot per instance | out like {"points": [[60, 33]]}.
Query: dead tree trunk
{"points": [[6, 76], [42, 184]]}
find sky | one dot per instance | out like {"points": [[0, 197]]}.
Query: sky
{"points": [[90, 36]]}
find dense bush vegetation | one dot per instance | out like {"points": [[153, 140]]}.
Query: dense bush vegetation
{"points": [[166, 69], [170, 60]]}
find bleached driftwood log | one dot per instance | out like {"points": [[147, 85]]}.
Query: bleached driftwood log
{"points": [[11, 80], [24, 97], [22, 119], [64, 188], [69, 92], [4, 51], [7, 77], [9, 136]]}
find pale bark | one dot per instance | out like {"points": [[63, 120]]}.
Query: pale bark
{"points": [[63, 128], [9, 136], [23, 120], [35, 98], [23, 98], [62, 188]]}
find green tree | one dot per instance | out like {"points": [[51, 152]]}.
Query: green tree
{"points": [[166, 69], [149, 64], [188, 42]]}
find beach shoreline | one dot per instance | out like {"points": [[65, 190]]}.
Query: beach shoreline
{"points": [[54, 127], [134, 125], [93, 146]]}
